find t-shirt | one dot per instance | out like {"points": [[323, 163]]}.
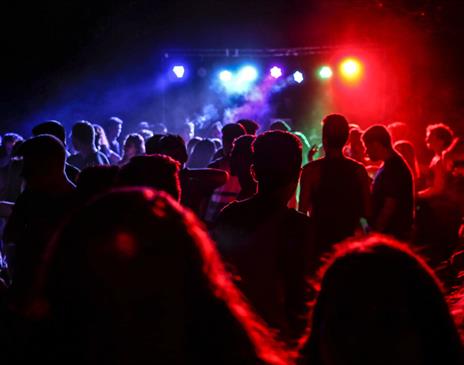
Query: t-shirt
{"points": [[394, 180], [336, 190], [268, 246], [94, 159]]}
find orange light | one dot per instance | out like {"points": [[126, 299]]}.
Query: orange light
{"points": [[351, 69]]}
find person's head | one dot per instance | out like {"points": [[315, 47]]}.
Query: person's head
{"points": [[173, 146], [202, 154], [379, 303], [241, 159], [215, 130], [277, 158], [399, 131], [251, 127], [159, 172], [192, 143], [100, 137], [378, 142], [52, 127], [43, 160], [159, 128], [135, 277], [8, 142], [134, 145], [229, 133], [152, 144], [280, 125], [83, 136], [407, 151], [335, 132], [438, 137], [113, 128]]}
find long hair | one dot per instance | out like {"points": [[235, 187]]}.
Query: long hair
{"points": [[135, 278], [379, 302]]}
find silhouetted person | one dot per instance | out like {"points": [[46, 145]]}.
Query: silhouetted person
{"points": [[393, 187], [102, 144], [113, 128], [152, 144], [201, 154], [197, 185], [159, 172], [56, 129], [267, 245], [146, 285], [134, 145], [355, 147], [241, 159], [228, 192], [6, 149], [83, 139], [39, 209], [251, 127], [334, 190], [380, 304], [408, 152], [187, 131]]}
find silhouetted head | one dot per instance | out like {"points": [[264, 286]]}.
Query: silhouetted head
{"points": [[202, 154], [134, 145], [241, 159], [152, 144], [134, 278], [335, 131], [43, 160], [251, 127], [173, 146], [83, 136], [159, 128], [280, 125], [187, 131], [159, 172], [113, 128], [380, 304], [439, 137], [8, 142], [192, 143], [100, 137], [378, 142], [229, 133], [52, 127], [277, 160]]}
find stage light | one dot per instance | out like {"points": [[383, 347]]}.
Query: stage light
{"points": [[248, 74], [276, 72], [179, 71], [225, 76], [350, 69], [298, 77], [325, 72]]}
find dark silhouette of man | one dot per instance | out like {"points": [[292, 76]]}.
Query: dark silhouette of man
{"points": [[83, 139], [335, 188], [113, 128], [392, 188], [267, 244]]}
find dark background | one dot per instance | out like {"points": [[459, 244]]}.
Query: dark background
{"points": [[72, 54]]}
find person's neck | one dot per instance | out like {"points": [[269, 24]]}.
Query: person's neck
{"points": [[279, 196], [333, 153], [56, 184], [388, 154], [86, 151]]}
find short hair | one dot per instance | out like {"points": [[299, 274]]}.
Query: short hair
{"points": [[442, 132], [52, 127], [12, 138], [232, 131], [152, 144], [44, 150], [335, 130], [251, 127], [378, 133], [83, 132], [277, 158], [112, 121], [280, 125], [159, 172]]}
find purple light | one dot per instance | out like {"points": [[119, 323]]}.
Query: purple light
{"points": [[276, 72]]}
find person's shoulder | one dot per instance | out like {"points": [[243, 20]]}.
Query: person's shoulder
{"points": [[313, 165]]}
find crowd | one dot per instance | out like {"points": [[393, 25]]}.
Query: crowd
{"points": [[238, 247]]}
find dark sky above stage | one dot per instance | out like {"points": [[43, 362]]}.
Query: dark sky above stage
{"points": [[43, 41]]}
